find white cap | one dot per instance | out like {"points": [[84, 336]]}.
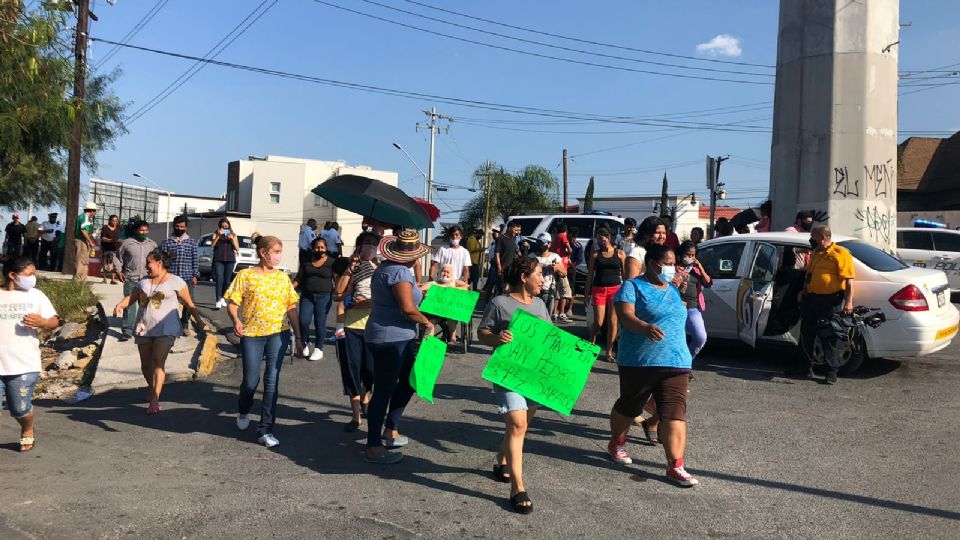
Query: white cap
{"points": [[544, 237], [90, 206]]}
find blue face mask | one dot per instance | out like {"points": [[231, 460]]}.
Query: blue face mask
{"points": [[667, 273]]}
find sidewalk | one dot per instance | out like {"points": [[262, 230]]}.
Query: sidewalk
{"points": [[119, 366]]}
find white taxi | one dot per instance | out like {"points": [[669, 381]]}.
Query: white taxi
{"points": [[756, 278], [931, 248]]}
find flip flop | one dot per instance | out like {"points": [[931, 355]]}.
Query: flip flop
{"points": [[518, 500], [27, 443], [501, 473]]}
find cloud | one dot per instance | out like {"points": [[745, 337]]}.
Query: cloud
{"points": [[722, 45]]}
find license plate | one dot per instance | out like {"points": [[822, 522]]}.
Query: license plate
{"points": [[941, 299], [946, 332]]}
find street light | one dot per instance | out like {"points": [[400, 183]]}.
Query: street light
{"points": [[154, 184], [426, 197]]}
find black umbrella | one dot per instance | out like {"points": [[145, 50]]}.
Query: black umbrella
{"points": [[374, 199]]}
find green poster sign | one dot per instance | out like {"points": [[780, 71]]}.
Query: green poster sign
{"points": [[426, 368], [542, 363], [450, 303]]}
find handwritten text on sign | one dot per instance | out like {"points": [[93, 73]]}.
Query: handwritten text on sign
{"points": [[542, 363], [450, 303]]}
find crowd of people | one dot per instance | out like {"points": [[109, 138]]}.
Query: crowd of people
{"points": [[643, 288]]}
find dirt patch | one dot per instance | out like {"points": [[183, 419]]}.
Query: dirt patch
{"points": [[68, 356]]}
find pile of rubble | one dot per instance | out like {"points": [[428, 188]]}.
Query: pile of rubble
{"points": [[67, 356]]}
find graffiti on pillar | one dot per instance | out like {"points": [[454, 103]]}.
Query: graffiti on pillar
{"points": [[820, 216], [843, 185], [878, 224], [882, 176]]}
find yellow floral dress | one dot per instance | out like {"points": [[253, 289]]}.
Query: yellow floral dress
{"points": [[264, 300]]}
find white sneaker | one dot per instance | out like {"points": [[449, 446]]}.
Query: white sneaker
{"points": [[243, 421], [317, 355], [220, 304], [268, 440], [306, 351]]}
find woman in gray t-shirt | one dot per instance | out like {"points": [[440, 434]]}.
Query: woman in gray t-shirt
{"points": [[158, 322], [525, 279]]}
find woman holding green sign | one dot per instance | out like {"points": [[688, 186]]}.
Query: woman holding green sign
{"points": [[390, 335], [654, 360], [525, 279]]}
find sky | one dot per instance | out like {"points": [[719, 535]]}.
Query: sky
{"points": [[220, 115]]}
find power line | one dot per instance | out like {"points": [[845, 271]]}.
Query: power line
{"points": [[539, 55], [563, 48], [514, 109], [587, 41], [197, 66], [147, 17], [714, 111]]}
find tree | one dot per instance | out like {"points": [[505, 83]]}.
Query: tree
{"points": [[665, 199], [36, 108], [534, 189], [588, 197]]}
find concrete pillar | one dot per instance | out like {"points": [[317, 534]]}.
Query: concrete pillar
{"points": [[834, 145]]}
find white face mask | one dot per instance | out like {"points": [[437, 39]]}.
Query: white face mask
{"points": [[667, 273], [687, 261], [25, 283], [454, 242], [443, 279]]}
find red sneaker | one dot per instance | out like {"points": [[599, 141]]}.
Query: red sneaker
{"points": [[680, 477], [618, 452]]}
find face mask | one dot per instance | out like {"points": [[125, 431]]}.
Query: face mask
{"points": [[805, 227], [687, 261], [25, 283], [443, 279], [141, 237], [603, 244], [667, 273], [454, 242], [814, 244], [317, 255], [177, 232], [224, 231], [367, 251], [274, 259]]}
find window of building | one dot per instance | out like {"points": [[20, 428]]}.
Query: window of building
{"points": [[320, 201], [274, 192]]}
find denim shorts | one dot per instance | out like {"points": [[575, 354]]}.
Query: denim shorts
{"points": [[510, 401], [18, 391]]}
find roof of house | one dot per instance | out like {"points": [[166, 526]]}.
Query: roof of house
{"points": [[722, 211], [929, 164]]}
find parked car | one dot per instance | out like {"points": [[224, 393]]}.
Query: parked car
{"points": [[586, 224], [756, 279], [245, 259], [938, 249]]}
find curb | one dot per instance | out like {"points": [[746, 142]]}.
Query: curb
{"points": [[210, 354]]}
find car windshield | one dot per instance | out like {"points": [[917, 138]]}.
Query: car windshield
{"points": [[873, 257], [245, 242], [528, 225]]}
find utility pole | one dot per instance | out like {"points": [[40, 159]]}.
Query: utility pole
{"points": [[565, 180], [488, 185], [79, 96], [434, 130], [714, 185]]}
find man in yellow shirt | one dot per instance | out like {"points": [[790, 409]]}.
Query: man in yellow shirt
{"points": [[828, 291], [476, 251]]}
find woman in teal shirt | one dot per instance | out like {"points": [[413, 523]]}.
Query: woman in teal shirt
{"points": [[653, 359]]}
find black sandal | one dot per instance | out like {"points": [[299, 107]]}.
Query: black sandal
{"points": [[650, 435], [518, 501], [363, 410], [501, 473], [351, 426]]}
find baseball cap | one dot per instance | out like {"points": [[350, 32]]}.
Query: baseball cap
{"points": [[544, 237]]}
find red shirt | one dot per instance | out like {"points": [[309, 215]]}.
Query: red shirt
{"points": [[673, 241]]}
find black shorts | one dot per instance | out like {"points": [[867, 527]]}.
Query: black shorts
{"points": [[667, 385]]}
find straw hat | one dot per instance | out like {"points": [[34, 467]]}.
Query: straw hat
{"points": [[403, 248]]}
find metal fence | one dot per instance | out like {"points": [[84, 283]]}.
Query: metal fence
{"points": [[125, 200]]}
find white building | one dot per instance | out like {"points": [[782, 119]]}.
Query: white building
{"points": [[687, 209], [275, 192], [172, 205]]}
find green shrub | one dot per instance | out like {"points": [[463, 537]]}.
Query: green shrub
{"points": [[70, 298]]}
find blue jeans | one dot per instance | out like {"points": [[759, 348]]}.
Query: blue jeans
{"points": [[391, 386], [18, 389], [256, 349], [315, 307], [696, 332], [222, 276], [130, 314]]}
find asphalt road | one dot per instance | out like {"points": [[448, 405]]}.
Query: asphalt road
{"points": [[777, 458]]}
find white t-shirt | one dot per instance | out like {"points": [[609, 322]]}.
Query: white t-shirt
{"points": [[333, 239], [636, 252], [55, 227], [20, 352], [457, 257], [546, 266]]}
